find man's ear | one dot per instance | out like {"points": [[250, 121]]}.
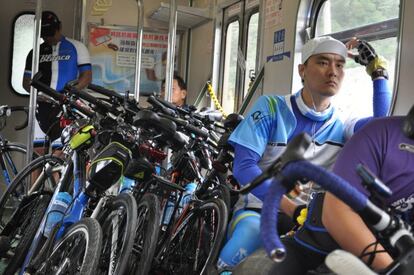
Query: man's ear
{"points": [[301, 70], [184, 94]]}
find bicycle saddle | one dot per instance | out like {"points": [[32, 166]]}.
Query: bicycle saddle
{"points": [[232, 120], [146, 119]]}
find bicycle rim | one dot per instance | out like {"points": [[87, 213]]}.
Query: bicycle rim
{"points": [[118, 221], [196, 244], [77, 252], [146, 237], [18, 190], [13, 157]]}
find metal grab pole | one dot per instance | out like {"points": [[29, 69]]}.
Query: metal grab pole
{"points": [[171, 50], [170, 62], [138, 55], [33, 91]]}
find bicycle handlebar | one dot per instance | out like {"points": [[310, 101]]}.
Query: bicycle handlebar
{"points": [[286, 175], [58, 96], [106, 92], [46, 89]]}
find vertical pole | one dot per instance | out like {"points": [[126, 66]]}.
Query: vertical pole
{"points": [[138, 55], [172, 30], [218, 20], [33, 91]]}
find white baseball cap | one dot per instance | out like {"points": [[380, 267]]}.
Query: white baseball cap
{"points": [[324, 44]]}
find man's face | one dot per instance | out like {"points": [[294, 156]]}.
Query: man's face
{"points": [[178, 94], [323, 74], [52, 39]]}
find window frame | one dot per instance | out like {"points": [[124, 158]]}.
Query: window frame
{"points": [[383, 29], [15, 92]]}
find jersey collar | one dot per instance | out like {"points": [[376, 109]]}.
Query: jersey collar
{"points": [[310, 113]]}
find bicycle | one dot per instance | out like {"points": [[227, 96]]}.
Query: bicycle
{"points": [[12, 154], [89, 250]]}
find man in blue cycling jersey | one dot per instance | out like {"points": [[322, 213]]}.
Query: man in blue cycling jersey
{"points": [[61, 60], [277, 119]]}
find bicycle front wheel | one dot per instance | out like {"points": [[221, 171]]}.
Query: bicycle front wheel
{"points": [[12, 161], [77, 252], [146, 237], [195, 246], [39, 175], [118, 221]]}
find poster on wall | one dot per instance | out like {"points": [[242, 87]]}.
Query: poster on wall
{"points": [[113, 52]]}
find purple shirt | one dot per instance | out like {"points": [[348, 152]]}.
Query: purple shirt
{"points": [[377, 145]]}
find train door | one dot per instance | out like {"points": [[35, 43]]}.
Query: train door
{"points": [[239, 48]]}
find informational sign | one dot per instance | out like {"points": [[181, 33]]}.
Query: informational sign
{"points": [[113, 53], [278, 47]]}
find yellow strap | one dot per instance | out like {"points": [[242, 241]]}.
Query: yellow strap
{"points": [[215, 100]]}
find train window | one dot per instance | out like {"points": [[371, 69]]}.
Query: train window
{"points": [[22, 44], [251, 50], [372, 20], [230, 66]]}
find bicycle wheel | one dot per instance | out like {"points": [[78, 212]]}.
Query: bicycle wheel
{"points": [[147, 231], [12, 160], [77, 252], [22, 229], [39, 175], [118, 221], [195, 246]]}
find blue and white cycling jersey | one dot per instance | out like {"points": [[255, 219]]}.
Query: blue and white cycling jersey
{"points": [[274, 120], [60, 63]]}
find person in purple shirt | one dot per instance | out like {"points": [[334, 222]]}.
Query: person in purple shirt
{"points": [[388, 153], [381, 146]]}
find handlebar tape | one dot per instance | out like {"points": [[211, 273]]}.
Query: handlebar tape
{"points": [[296, 170]]}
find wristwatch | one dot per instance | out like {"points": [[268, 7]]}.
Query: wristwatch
{"points": [[379, 73]]}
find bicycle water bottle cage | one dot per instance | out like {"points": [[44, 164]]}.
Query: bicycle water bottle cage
{"points": [[108, 167]]}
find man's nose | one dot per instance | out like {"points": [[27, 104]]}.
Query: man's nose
{"points": [[333, 70]]}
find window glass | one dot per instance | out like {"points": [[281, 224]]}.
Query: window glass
{"points": [[22, 44], [251, 50], [360, 16], [340, 15], [230, 66]]}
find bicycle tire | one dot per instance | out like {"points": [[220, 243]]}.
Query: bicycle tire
{"points": [[184, 254], [146, 237], [124, 208], [26, 229], [14, 156], [68, 247], [18, 189]]}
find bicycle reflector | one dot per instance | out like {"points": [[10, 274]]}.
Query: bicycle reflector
{"points": [[108, 166]]}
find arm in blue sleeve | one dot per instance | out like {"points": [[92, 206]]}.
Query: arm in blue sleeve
{"points": [[245, 169], [381, 102], [381, 97]]}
